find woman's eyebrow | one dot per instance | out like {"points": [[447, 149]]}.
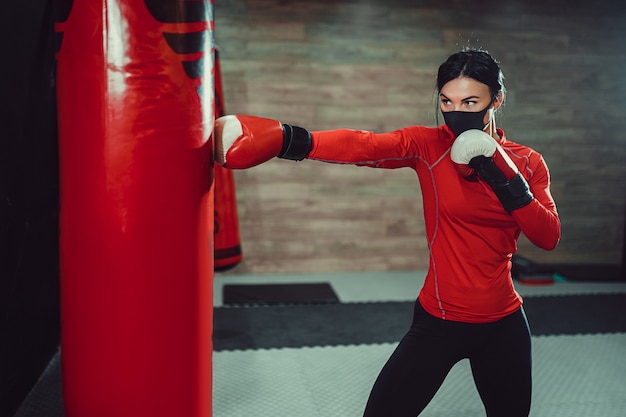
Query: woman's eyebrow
{"points": [[465, 99]]}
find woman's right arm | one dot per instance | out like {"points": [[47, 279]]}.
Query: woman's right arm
{"points": [[245, 141], [364, 148]]}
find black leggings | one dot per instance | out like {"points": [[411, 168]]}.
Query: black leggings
{"points": [[499, 355]]}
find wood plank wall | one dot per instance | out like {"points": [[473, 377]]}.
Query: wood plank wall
{"points": [[371, 65]]}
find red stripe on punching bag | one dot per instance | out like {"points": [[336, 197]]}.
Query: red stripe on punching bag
{"points": [[135, 100], [227, 244]]}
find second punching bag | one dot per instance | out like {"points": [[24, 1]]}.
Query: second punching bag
{"points": [[135, 101], [227, 244]]}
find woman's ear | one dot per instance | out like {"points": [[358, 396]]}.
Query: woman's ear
{"points": [[498, 100]]}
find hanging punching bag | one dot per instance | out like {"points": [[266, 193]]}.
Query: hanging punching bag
{"points": [[135, 101], [227, 244]]}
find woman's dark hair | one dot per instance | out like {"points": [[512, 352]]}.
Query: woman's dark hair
{"points": [[472, 63]]}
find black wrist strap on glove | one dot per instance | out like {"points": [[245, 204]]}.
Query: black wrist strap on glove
{"points": [[297, 143], [513, 194]]}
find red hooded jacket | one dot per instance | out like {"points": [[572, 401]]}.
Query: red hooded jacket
{"points": [[470, 236]]}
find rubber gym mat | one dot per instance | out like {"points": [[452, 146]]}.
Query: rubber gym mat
{"points": [[383, 322], [278, 294]]}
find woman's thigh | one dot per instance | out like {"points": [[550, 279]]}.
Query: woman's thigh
{"points": [[502, 367], [416, 369]]}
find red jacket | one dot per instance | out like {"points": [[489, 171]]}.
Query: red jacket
{"points": [[470, 236]]}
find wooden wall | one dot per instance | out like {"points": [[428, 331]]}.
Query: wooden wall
{"points": [[371, 65]]}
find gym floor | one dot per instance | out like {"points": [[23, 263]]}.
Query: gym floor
{"points": [[575, 375]]}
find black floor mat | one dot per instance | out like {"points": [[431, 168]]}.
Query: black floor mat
{"points": [[277, 294], [362, 323]]}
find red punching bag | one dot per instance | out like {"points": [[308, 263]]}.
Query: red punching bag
{"points": [[135, 102], [227, 244]]}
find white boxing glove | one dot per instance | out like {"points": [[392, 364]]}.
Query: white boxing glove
{"points": [[475, 152], [468, 145]]}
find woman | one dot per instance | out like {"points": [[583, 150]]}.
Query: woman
{"points": [[480, 191]]}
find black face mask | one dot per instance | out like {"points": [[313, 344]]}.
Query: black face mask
{"points": [[460, 121]]}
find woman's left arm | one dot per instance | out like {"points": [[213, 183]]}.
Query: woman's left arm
{"points": [[539, 220]]}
